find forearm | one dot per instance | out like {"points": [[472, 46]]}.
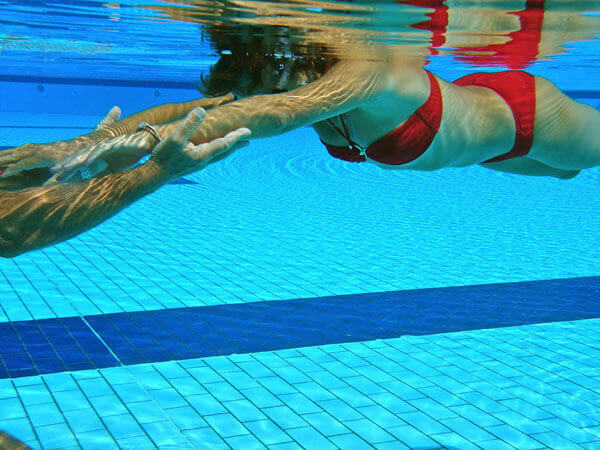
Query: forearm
{"points": [[41, 216], [161, 114], [345, 87]]}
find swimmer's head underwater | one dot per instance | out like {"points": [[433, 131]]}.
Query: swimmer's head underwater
{"points": [[262, 64]]}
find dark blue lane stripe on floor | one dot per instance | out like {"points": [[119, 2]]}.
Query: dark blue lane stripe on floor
{"points": [[50, 345], [183, 333]]}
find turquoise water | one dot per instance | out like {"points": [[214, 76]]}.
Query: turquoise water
{"points": [[98, 347]]}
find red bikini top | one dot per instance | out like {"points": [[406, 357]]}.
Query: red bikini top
{"points": [[403, 145]]}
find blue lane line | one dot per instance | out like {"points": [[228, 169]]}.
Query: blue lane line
{"points": [[49, 346], [55, 345], [98, 82], [165, 84]]}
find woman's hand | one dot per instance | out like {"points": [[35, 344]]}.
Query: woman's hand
{"points": [[175, 156], [35, 156], [117, 153]]}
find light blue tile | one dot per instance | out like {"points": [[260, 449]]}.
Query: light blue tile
{"points": [[284, 417], [349, 441], [340, 410], [526, 409], [55, 436], [364, 385], [368, 431], [423, 423], [164, 434], [467, 429], [244, 442], [171, 370], [403, 390], [108, 405], [261, 397], [352, 397], [19, 428], [309, 438], [46, 414], [453, 440], [146, 412], [7, 389], [70, 400], [223, 391], [240, 379], [205, 404], [256, 368], [433, 408], [267, 431], [93, 387], [83, 420], [314, 391], [118, 375], [136, 442], [11, 408], [243, 410], [520, 422], [186, 418], [60, 382], [152, 380], [412, 437], [496, 444], [167, 398], [325, 424], [300, 403], [205, 438], [290, 374], [277, 385], [122, 426], [205, 374], [226, 425], [514, 437], [475, 415], [554, 440], [99, 439], [285, 446], [131, 392], [189, 386], [34, 394], [568, 431]]}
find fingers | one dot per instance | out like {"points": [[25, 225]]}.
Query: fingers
{"points": [[183, 132], [10, 158], [52, 181], [113, 115], [212, 149], [18, 167]]}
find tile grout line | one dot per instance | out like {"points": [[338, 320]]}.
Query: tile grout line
{"points": [[102, 340]]}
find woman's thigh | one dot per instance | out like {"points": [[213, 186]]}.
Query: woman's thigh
{"points": [[566, 132], [524, 165]]}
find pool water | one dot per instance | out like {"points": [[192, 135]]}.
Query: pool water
{"points": [[284, 299]]}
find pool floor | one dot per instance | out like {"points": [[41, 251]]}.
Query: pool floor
{"points": [[285, 299]]}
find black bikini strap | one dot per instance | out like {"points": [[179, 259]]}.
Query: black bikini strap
{"points": [[345, 134]]}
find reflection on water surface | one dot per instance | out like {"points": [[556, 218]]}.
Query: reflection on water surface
{"points": [[164, 36]]}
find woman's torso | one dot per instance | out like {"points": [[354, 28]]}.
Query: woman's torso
{"points": [[476, 123]]}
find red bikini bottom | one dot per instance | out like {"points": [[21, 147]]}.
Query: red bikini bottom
{"points": [[517, 88]]}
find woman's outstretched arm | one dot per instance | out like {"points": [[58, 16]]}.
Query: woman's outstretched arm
{"points": [[41, 216], [346, 86], [34, 156]]}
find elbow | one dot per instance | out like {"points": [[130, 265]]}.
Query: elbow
{"points": [[10, 251], [9, 248]]}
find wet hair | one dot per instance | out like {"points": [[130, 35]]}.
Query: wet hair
{"points": [[248, 57]]}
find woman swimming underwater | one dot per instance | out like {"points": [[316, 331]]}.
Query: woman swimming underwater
{"points": [[389, 113]]}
